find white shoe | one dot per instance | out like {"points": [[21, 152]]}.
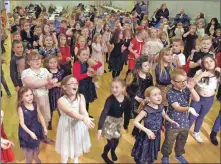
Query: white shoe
{"points": [[197, 137]]}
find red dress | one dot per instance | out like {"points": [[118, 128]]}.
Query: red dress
{"points": [[6, 155], [218, 58], [138, 46]]}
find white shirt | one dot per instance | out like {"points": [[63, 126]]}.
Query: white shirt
{"points": [[181, 58], [42, 75]]}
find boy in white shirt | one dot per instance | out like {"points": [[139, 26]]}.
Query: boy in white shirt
{"points": [[179, 58]]}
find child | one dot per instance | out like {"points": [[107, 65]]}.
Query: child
{"points": [[179, 31], [6, 151], [106, 38], [136, 47], [215, 130], [37, 33], [116, 61], [189, 40], [57, 24], [217, 41], [140, 80], [200, 28], [179, 59], [65, 63], [166, 27], [39, 80], [51, 63], [10, 19], [63, 27], [163, 39], [195, 60], [178, 101], [3, 81], [153, 46], [27, 34], [49, 48], [31, 132], [83, 74], [162, 72], [17, 64], [81, 43], [207, 80], [111, 118], [72, 139], [147, 142], [46, 32], [127, 37], [15, 27], [97, 52]]}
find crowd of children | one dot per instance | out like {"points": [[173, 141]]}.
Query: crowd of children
{"points": [[56, 65]]}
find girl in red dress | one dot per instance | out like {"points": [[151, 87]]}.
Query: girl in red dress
{"points": [[6, 151], [136, 46]]}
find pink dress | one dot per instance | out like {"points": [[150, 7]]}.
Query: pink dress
{"points": [[97, 55]]}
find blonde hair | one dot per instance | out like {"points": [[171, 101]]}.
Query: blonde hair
{"points": [[31, 56], [205, 37], [163, 52], [177, 72], [146, 94], [47, 59]]}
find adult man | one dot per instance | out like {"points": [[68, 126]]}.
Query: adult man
{"points": [[182, 18]]}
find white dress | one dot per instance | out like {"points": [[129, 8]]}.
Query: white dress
{"points": [[72, 139], [98, 55]]}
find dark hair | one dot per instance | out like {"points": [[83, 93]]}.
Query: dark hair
{"points": [[215, 20], [201, 15], [115, 38], [217, 73]]}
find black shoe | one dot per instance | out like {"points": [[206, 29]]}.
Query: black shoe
{"points": [[114, 156], [213, 138], [105, 71], [106, 159], [91, 116], [110, 70], [49, 127], [9, 94]]}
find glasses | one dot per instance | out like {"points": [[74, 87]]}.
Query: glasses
{"points": [[181, 82], [35, 60], [72, 84]]}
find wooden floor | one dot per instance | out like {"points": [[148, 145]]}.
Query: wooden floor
{"points": [[195, 152]]}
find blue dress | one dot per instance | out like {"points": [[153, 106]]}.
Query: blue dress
{"points": [[31, 121], [146, 150]]}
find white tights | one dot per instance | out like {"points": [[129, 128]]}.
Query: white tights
{"points": [[64, 159]]}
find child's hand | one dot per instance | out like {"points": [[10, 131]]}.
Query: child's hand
{"points": [[99, 134], [33, 136], [45, 131], [35, 44], [193, 112], [68, 59], [199, 62], [5, 144], [191, 83], [17, 88], [138, 99], [88, 122], [175, 123], [150, 135], [218, 69]]}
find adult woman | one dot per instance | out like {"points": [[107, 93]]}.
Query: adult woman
{"points": [[212, 27], [163, 12], [198, 17]]}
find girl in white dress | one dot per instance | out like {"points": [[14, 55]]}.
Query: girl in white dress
{"points": [[72, 138]]}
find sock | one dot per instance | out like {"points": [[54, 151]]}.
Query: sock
{"points": [[75, 160]]}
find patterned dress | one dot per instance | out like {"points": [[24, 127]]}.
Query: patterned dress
{"points": [[146, 150], [31, 121], [55, 93]]}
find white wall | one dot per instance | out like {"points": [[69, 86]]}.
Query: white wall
{"points": [[69, 3], [210, 8], [124, 5]]}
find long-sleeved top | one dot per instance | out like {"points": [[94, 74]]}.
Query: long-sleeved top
{"points": [[160, 13], [27, 36], [77, 70], [65, 53], [179, 33], [184, 18], [17, 65], [114, 108], [164, 78]]}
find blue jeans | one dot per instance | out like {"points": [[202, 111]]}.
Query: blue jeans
{"points": [[202, 108], [217, 123]]}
